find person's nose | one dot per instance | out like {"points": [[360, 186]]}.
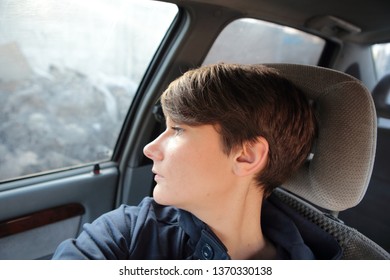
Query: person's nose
{"points": [[153, 150]]}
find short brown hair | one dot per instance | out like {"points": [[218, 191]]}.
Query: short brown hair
{"points": [[245, 102]]}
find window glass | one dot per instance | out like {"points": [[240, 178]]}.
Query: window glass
{"points": [[253, 41], [381, 55], [68, 73]]}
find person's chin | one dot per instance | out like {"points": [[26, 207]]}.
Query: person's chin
{"points": [[161, 196]]}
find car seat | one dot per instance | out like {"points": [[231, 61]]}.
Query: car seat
{"points": [[371, 215], [336, 175]]}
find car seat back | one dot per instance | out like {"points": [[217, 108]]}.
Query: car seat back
{"points": [[354, 244], [372, 219], [337, 174]]}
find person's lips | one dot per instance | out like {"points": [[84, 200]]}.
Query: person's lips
{"points": [[157, 176]]}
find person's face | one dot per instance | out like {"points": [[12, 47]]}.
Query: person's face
{"points": [[191, 170]]}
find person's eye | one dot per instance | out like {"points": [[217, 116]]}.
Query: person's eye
{"points": [[177, 129]]}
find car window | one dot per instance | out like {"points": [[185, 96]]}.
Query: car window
{"points": [[381, 55], [254, 41], [69, 71]]}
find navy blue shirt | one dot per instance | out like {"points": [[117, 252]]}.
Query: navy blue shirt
{"points": [[152, 231]]}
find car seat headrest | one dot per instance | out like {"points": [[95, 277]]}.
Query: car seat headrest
{"points": [[381, 96], [337, 176]]}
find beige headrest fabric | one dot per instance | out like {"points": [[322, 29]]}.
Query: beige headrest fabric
{"points": [[338, 175]]}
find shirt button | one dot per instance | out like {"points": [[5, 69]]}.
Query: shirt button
{"points": [[207, 252]]}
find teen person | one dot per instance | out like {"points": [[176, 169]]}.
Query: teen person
{"points": [[234, 133]]}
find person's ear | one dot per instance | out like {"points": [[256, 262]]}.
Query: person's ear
{"points": [[252, 157]]}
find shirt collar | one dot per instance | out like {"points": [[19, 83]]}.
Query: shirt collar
{"points": [[203, 244], [293, 236]]}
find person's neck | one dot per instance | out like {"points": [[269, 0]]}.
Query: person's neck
{"points": [[236, 222]]}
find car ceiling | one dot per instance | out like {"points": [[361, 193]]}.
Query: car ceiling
{"points": [[348, 20]]}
